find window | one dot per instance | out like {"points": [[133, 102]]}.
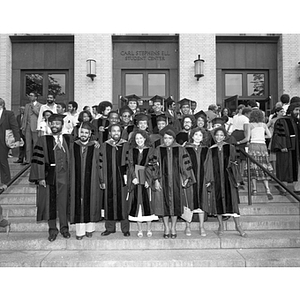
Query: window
{"points": [[145, 83], [134, 84], [44, 82], [246, 84]]}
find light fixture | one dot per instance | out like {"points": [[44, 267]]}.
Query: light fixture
{"points": [[91, 68], [199, 67]]}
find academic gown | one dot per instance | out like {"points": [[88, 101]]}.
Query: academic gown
{"points": [[182, 137], [85, 204], [221, 171], [45, 166], [171, 166], [197, 193], [101, 136], [138, 194], [113, 167], [286, 135]]}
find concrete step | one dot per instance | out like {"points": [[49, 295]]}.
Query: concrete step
{"points": [[153, 258], [27, 210], [230, 240], [263, 222], [18, 199], [262, 198]]}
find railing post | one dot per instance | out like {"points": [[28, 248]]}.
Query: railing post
{"points": [[249, 182]]}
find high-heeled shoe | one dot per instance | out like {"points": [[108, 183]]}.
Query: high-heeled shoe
{"points": [[220, 232], [241, 232], [140, 234], [202, 232], [166, 235], [5, 224], [173, 235], [188, 232]]}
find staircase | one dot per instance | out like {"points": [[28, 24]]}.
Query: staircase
{"points": [[272, 228]]}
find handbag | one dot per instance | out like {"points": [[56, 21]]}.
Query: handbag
{"points": [[187, 213]]}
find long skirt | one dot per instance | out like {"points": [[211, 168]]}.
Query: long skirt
{"points": [[260, 153]]}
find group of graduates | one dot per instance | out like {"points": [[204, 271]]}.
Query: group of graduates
{"points": [[132, 166]]}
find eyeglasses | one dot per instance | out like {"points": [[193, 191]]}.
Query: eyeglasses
{"points": [[126, 116]]}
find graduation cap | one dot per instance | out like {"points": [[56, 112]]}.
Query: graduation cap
{"points": [[169, 101], [185, 101], [168, 127], [161, 117], [157, 98], [86, 125], [218, 120], [133, 97], [56, 117], [125, 109], [141, 117], [200, 113]]}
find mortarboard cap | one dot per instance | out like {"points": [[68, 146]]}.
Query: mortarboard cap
{"points": [[141, 117], [86, 125], [132, 97], [56, 117], [218, 120], [125, 109], [157, 98], [168, 127], [200, 113], [169, 101], [185, 101], [161, 117]]}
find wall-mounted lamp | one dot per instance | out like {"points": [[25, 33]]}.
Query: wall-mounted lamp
{"points": [[91, 68], [199, 67]]}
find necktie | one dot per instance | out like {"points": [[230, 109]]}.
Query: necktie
{"points": [[59, 142]]}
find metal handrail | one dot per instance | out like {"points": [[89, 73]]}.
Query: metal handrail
{"points": [[16, 177], [249, 158]]}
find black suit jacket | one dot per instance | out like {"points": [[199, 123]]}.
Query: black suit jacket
{"points": [[8, 121]]}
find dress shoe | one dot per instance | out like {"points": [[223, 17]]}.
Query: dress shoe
{"points": [[79, 237], [4, 223], [24, 163], [104, 233], [166, 235], [127, 233], [18, 161], [66, 234], [52, 237], [89, 234], [225, 218]]}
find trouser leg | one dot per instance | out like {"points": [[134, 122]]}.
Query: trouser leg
{"points": [[125, 225], [90, 227], [4, 166], [62, 200], [80, 229], [297, 183], [52, 227], [110, 225]]}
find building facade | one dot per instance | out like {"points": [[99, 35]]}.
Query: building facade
{"points": [[236, 68]]}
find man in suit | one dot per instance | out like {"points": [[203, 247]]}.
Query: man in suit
{"points": [[7, 121], [29, 125], [23, 148]]}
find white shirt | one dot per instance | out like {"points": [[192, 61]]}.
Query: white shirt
{"points": [[238, 122], [43, 108], [1, 110], [70, 122]]}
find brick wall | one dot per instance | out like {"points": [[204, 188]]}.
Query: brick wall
{"points": [[289, 83], [98, 47], [204, 90], [5, 69]]}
